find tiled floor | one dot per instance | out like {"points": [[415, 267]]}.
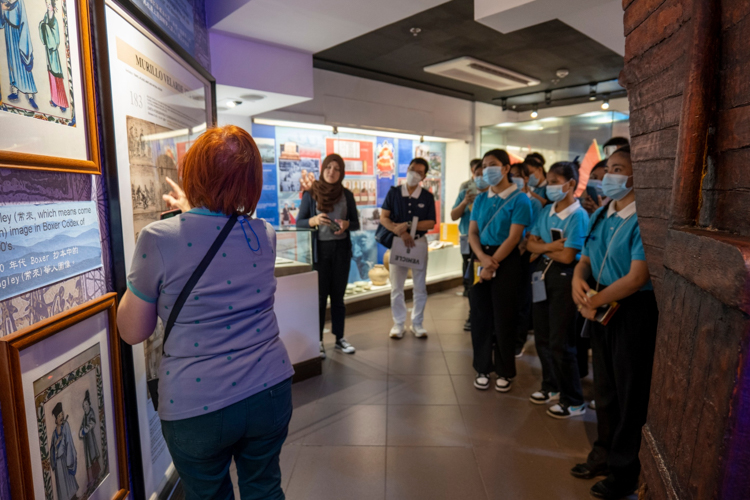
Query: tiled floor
{"points": [[402, 420]]}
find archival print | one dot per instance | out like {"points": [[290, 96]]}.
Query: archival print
{"points": [[72, 428]]}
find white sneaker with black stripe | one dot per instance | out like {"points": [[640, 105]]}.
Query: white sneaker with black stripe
{"points": [[322, 351], [541, 397], [561, 411], [503, 384], [482, 381]]}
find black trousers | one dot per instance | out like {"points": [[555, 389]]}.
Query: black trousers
{"points": [[470, 280], [494, 317], [555, 334], [334, 259], [524, 310], [623, 356]]}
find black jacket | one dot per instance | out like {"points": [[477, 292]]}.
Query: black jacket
{"points": [[308, 209]]}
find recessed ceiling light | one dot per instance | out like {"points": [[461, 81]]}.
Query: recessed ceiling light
{"points": [[562, 73], [415, 31], [252, 97]]}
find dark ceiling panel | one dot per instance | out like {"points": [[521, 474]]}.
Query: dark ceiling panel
{"points": [[392, 54]]}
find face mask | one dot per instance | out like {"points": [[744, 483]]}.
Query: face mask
{"points": [[412, 178], [481, 183], [533, 181], [596, 184], [615, 186], [493, 175], [518, 182], [556, 193]]}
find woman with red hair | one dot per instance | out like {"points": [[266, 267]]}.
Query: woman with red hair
{"points": [[225, 377]]}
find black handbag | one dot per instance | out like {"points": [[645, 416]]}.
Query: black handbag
{"points": [[383, 235], [153, 385]]}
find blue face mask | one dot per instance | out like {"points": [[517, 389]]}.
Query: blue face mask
{"points": [[533, 181], [615, 186], [556, 193], [596, 184], [481, 183], [493, 175], [518, 182]]}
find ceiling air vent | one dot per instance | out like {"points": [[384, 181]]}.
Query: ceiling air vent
{"points": [[476, 72]]}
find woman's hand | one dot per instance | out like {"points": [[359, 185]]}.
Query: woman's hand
{"points": [[401, 228], [488, 262], [486, 274], [344, 226], [176, 197], [306, 180], [555, 246], [580, 290], [320, 219], [408, 240], [588, 313]]}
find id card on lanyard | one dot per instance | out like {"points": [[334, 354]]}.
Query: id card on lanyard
{"points": [[538, 289]]}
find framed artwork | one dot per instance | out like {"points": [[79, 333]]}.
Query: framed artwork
{"points": [[161, 101], [47, 89], [63, 409]]}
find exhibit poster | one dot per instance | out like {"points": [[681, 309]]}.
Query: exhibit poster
{"points": [[159, 108], [386, 163], [357, 155], [42, 101], [265, 138]]}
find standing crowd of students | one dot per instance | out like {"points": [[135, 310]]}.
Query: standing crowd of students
{"points": [[573, 270]]}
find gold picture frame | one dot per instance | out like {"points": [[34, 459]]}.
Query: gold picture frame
{"points": [[94, 456], [88, 115]]}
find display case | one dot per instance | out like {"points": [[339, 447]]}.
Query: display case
{"points": [[293, 251]]}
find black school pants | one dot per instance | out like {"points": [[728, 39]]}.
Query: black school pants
{"points": [[524, 309], [334, 259], [623, 357], [494, 317], [555, 334]]}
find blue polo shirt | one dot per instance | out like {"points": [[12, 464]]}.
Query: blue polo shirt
{"points": [[536, 208], [463, 222], [574, 221], [420, 203], [621, 230], [516, 209], [540, 190]]}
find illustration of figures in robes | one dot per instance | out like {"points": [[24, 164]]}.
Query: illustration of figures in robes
{"points": [[90, 448], [18, 49], [63, 456], [49, 32]]}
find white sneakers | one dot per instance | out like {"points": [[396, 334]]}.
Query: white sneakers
{"points": [[397, 331]]}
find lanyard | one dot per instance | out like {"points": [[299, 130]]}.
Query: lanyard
{"points": [[495, 215], [601, 269]]}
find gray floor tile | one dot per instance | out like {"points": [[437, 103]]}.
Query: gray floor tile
{"points": [[338, 472], [423, 425], [421, 390], [458, 342], [359, 425], [413, 362], [433, 474], [459, 363], [510, 425]]}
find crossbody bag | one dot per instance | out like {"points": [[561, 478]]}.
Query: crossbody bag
{"points": [[153, 385]]}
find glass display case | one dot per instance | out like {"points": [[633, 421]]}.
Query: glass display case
{"points": [[293, 251]]}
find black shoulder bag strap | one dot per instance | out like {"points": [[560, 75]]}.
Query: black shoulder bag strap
{"points": [[185, 293]]}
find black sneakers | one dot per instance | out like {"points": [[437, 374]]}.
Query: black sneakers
{"points": [[586, 471], [609, 489]]}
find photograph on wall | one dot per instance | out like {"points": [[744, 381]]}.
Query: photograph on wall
{"points": [[43, 89], [364, 191], [152, 158], [72, 428], [290, 172], [434, 155], [369, 218], [364, 255], [267, 148], [357, 155], [385, 157], [289, 208]]}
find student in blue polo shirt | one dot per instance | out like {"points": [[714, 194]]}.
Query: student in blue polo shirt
{"points": [[462, 211], [520, 177], [554, 310], [537, 177], [614, 263], [498, 220]]}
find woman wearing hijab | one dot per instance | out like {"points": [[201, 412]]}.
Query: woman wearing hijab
{"points": [[331, 208]]}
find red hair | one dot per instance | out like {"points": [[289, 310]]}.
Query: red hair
{"points": [[223, 172]]}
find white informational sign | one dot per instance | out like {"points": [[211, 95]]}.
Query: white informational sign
{"points": [[160, 106]]}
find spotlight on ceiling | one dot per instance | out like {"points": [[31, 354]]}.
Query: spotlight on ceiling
{"points": [[534, 113], [605, 104]]}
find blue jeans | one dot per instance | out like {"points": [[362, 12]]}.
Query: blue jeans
{"points": [[251, 431]]}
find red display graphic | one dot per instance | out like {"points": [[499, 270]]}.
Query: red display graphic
{"points": [[358, 155]]}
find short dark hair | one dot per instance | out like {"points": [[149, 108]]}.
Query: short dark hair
{"points": [[473, 163], [423, 162], [566, 169], [601, 164], [499, 154], [538, 157], [617, 141]]}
